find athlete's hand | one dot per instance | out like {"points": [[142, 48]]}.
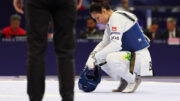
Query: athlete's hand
{"points": [[18, 5], [91, 61]]}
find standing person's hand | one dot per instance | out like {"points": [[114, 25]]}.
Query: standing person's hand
{"points": [[18, 5], [79, 3]]}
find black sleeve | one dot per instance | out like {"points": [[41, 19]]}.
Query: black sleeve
{"points": [[178, 32], [147, 33], [163, 35], [2, 35], [82, 35]]}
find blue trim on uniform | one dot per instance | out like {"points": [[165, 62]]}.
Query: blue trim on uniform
{"points": [[133, 39], [115, 33]]}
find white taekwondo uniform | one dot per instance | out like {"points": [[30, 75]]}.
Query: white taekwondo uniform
{"points": [[122, 36]]}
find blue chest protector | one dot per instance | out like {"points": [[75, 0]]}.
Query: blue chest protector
{"points": [[133, 39]]}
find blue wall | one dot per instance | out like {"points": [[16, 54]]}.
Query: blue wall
{"points": [[165, 58]]}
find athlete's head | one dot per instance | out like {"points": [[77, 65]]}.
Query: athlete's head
{"points": [[101, 11]]}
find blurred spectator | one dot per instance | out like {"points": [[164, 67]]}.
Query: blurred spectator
{"points": [[1, 36], [172, 30], [14, 28], [125, 6], [50, 30], [90, 32], [152, 31]]}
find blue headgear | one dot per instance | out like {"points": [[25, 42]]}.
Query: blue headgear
{"points": [[89, 79]]}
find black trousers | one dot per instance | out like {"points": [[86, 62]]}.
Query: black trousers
{"points": [[38, 14]]}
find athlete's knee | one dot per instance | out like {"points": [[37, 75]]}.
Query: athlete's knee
{"points": [[112, 58], [119, 60]]}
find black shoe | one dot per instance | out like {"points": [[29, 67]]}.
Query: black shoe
{"points": [[32, 98]]}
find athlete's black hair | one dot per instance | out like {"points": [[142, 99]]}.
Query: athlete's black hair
{"points": [[97, 6]]}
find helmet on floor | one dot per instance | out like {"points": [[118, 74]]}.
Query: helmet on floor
{"points": [[89, 79]]}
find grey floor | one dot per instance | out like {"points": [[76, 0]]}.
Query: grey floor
{"points": [[151, 89]]}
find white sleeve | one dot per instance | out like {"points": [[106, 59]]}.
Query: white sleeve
{"points": [[103, 43], [117, 27], [99, 47]]}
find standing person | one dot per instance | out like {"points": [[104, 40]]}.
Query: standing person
{"points": [[124, 49], [38, 13]]}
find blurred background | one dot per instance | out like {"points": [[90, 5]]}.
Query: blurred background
{"points": [[159, 19]]}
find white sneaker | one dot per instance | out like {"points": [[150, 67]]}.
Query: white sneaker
{"points": [[131, 87]]}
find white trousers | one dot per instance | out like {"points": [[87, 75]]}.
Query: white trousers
{"points": [[118, 65]]}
